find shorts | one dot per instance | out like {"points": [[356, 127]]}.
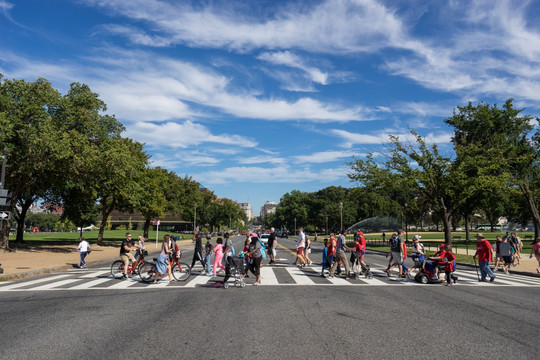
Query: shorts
{"points": [[273, 252], [300, 250], [508, 259], [127, 257], [397, 258]]}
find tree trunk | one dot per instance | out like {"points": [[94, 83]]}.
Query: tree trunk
{"points": [[467, 231], [20, 219], [534, 209], [104, 216], [447, 223], [146, 228], [4, 234]]}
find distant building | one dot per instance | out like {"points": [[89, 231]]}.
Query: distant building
{"points": [[247, 209], [269, 207]]}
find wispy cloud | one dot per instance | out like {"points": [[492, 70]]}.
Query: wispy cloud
{"points": [[325, 157], [287, 58], [186, 134]]}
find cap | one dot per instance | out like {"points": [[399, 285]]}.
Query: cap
{"points": [[416, 237], [360, 233], [400, 231], [440, 246], [480, 235]]}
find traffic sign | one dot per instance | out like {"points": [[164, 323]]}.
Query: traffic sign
{"points": [[5, 197], [5, 215]]}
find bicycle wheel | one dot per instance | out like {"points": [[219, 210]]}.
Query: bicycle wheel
{"points": [[182, 272], [117, 269], [147, 271]]}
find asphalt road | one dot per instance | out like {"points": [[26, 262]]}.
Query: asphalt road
{"points": [[273, 322]]}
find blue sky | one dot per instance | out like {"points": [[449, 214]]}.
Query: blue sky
{"points": [[254, 99]]}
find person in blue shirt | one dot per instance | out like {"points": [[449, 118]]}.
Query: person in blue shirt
{"points": [[325, 260]]}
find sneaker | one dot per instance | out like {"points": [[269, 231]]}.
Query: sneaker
{"points": [[331, 276], [256, 283], [482, 280], [492, 279], [322, 275], [448, 284], [347, 277], [455, 280], [388, 273], [212, 275]]}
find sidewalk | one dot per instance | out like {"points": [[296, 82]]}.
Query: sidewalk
{"points": [[50, 258]]}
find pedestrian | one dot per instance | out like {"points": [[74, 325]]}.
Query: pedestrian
{"points": [[325, 258], [450, 266], [197, 255], [536, 251], [498, 259], [418, 251], [218, 256], [340, 254], [383, 236], [396, 249], [208, 247], [255, 263], [518, 245], [300, 246], [484, 252], [228, 248], [272, 243], [505, 249], [332, 245], [163, 265], [307, 251], [84, 249]]}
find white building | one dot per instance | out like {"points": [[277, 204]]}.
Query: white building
{"points": [[269, 207], [247, 209]]}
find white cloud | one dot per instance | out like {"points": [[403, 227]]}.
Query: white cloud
{"points": [[287, 58], [351, 139], [327, 27], [183, 135], [281, 174], [326, 156], [260, 159]]}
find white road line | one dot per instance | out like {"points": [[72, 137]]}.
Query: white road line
{"points": [[55, 284], [268, 276], [90, 284], [299, 276], [197, 280], [95, 274], [122, 284], [32, 282]]}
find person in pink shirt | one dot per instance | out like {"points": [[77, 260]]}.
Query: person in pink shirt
{"points": [[536, 251], [218, 251]]}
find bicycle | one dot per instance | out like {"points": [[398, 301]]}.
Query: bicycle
{"points": [[180, 270], [117, 267]]}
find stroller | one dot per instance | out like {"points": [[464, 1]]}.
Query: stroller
{"points": [[235, 268], [360, 269]]}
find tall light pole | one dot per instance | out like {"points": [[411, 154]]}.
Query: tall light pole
{"points": [[295, 233], [194, 218], [3, 174], [406, 225], [341, 214], [327, 225]]}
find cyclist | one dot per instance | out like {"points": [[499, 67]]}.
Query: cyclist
{"points": [[125, 252]]}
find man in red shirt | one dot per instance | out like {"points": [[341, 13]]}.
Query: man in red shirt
{"points": [[484, 251]]}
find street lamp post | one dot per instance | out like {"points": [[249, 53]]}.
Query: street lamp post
{"points": [[341, 215], [295, 233], [406, 225], [194, 219], [327, 225]]}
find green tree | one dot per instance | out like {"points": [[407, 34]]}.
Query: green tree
{"points": [[495, 145]]}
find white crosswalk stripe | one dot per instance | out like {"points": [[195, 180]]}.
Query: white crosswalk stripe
{"points": [[281, 275]]}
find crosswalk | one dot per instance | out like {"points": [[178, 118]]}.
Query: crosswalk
{"points": [[280, 275]]}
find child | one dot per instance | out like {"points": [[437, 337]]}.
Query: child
{"points": [[246, 257], [218, 251], [84, 249], [449, 266], [325, 259], [208, 247], [141, 247]]}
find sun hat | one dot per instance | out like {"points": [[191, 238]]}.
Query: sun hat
{"points": [[416, 237]]}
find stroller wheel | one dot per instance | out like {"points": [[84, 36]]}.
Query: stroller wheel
{"points": [[369, 275], [226, 285]]}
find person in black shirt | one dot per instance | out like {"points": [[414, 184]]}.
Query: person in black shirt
{"points": [[197, 255]]}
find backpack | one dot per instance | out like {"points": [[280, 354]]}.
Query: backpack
{"points": [[263, 250], [394, 242]]}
